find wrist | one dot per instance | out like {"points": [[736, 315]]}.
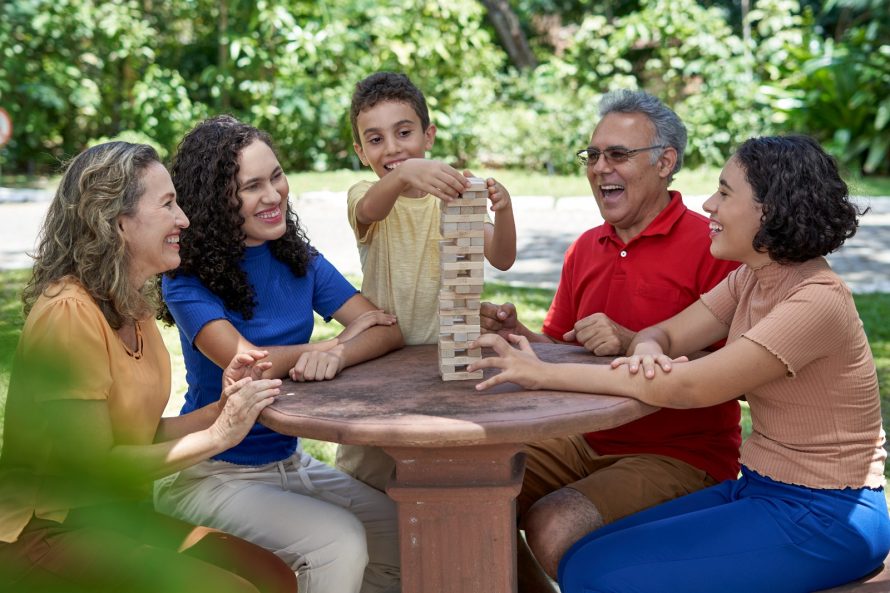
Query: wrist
{"points": [[329, 344], [216, 439]]}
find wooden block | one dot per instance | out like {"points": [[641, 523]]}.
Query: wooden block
{"points": [[462, 249], [477, 240], [463, 311], [450, 218], [466, 234], [463, 360], [472, 202], [469, 289], [461, 281], [463, 265], [464, 376], [460, 360], [476, 183], [466, 328]]}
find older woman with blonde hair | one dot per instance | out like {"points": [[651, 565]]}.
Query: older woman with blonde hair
{"points": [[84, 433]]}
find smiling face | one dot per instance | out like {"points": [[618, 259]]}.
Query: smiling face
{"points": [[263, 189], [735, 218], [391, 133], [629, 194], [151, 232]]}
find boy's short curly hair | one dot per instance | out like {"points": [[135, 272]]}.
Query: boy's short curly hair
{"points": [[806, 205], [386, 86]]}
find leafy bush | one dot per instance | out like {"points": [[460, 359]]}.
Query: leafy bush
{"points": [[841, 95]]}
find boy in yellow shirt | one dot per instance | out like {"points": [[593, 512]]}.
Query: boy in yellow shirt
{"points": [[396, 222]]}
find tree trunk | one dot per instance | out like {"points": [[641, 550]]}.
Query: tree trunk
{"points": [[222, 54], [513, 40]]}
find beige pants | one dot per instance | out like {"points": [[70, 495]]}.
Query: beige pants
{"points": [[618, 485], [371, 465], [338, 535]]}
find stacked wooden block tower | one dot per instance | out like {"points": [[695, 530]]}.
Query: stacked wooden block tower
{"points": [[461, 252]]}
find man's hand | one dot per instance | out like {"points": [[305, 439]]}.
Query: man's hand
{"points": [[498, 319], [600, 335]]}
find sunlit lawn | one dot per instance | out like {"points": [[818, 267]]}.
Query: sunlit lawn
{"points": [[699, 181]]}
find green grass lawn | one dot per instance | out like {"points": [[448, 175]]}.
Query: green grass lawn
{"points": [[700, 181]]}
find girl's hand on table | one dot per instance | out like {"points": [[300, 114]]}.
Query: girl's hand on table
{"points": [[648, 362], [518, 365], [318, 365]]}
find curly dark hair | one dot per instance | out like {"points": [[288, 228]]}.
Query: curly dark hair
{"points": [[806, 205], [386, 86], [205, 172]]}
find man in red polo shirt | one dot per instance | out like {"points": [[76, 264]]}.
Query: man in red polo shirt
{"points": [[648, 261]]}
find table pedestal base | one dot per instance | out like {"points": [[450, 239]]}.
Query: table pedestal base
{"points": [[457, 517]]}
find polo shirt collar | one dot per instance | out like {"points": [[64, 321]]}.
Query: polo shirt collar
{"points": [[661, 225]]}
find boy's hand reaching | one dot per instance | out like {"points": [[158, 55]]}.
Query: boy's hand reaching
{"points": [[497, 193], [432, 177], [499, 196]]}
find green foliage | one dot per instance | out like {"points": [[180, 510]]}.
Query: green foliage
{"points": [[73, 72], [841, 95]]}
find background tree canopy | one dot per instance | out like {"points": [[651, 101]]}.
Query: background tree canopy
{"points": [[511, 84]]}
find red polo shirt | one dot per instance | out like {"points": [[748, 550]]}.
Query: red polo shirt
{"points": [[657, 274]]}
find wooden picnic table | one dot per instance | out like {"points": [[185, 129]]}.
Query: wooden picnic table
{"points": [[458, 454]]}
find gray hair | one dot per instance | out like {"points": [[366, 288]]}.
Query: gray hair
{"points": [[669, 130]]}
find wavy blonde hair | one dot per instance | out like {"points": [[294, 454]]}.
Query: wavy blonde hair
{"points": [[80, 237]]}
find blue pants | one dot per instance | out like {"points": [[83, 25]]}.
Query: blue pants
{"points": [[748, 535]]}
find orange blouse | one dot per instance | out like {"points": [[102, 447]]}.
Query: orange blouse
{"points": [[68, 351]]}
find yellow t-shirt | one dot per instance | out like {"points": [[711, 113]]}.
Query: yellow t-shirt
{"points": [[68, 351], [400, 262]]}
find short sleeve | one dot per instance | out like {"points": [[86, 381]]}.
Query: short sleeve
{"points": [[723, 300], [331, 290], [192, 305], [353, 197], [66, 351], [804, 326], [561, 316]]}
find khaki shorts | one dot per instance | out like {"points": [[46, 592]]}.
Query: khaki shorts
{"points": [[618, 485]]}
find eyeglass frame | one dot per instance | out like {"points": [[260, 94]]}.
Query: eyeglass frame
{"points": [[586, 160]]}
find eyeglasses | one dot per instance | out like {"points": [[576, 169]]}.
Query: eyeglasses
{"points": [[589, 156]]}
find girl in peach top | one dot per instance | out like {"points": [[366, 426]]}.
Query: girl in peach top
{"points": [[808, 511]]}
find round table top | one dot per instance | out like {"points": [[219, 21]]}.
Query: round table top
{"points": [[400, 400]]}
